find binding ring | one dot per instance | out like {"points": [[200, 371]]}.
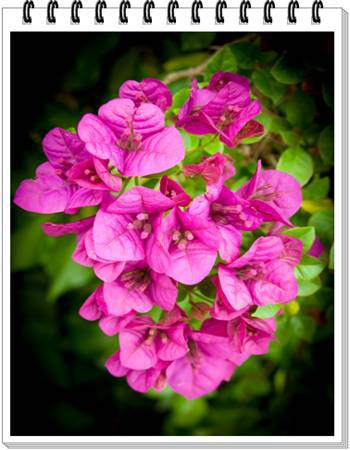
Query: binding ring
{"points": [[291, 11], [243, 18], [267, 11], [317, 4], [101, 4], [196, 5], [171, 10], [51, 11], [148, 5], [124, 5], [28, 4], [220, 5], [74, 11]]}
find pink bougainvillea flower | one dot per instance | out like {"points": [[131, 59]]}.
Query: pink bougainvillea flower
{"points": [[143, 343], [93, 173], [174, 191], [139, 380], [316, 249], [71, 179], [203, 368], [227, 110], [260, 276], [47, 193], [94, 308], [124, 227], [246, 335], [187, 246], [275, 195], [215, 170], [61, 229], [138, 288], [85, 254], [229, 214], [222, 309], [134, 138], [149, 90]]}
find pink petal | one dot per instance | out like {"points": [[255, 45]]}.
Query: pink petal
{"points": [[263, 249], [121, 301], [135, 351], [114, 241], [99, 139], [159, 152], [278, 286], [114, 366], [192, 264], [84, 197], [90, 309], [163, 291], [141, 199], [148, 90], [235, 290], [63, 148], [60, 229], [47, 194], [230, 242], [111, 325], [172, 343]]}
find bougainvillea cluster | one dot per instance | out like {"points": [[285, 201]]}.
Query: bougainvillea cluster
{"points": [[145, 245]]}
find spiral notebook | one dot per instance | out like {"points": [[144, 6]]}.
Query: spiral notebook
{"points": [[175, 224]]}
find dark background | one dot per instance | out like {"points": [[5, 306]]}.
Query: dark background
{"points": [[58, 386]]}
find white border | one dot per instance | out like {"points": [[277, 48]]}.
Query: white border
{"points": [[332, 20]]}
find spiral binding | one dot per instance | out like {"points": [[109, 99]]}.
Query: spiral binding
{"points": [[148, 5], [293, 4], [76, 5], [51, 6], [196, 5], [220, 5], [172, 6], [267, 11], [124, 6], [100, 5], [317, 4], [243, 18], [28, 5]]}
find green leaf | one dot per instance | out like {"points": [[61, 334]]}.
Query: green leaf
{"points": [[287, 71], [323, 222], [300, 110], [317, 189], [196, 41], [304, 327], [249, 54], [290, 138], [305, 234], [222, 60], [64, 273], [326, 145], [188, 413], [308, 287], [296, 162], [185, 61], [180, 98], [212, 146], [308, 268], [26, 241], [266, 311], [268, 86], [278, 124]]}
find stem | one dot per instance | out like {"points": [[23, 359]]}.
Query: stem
{"points": [[203, 297], [125, 185]]}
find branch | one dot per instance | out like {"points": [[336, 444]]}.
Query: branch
{"points": [[195, 71], [186, 73]]}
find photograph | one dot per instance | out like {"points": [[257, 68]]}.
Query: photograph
{"points": [[172, 233]]}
